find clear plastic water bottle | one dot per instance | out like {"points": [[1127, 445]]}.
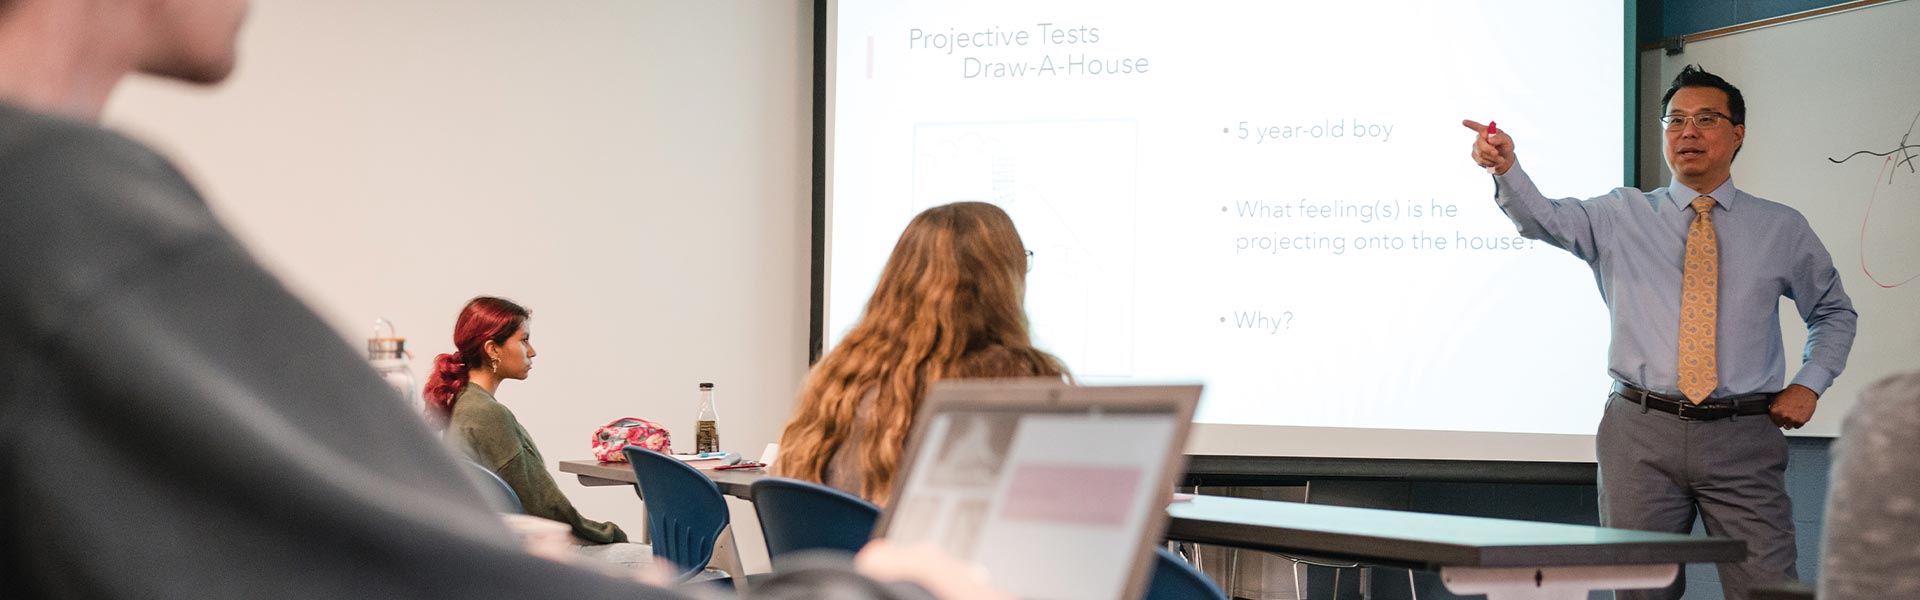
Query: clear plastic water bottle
{"points": [[706, 430], [388, 353]]}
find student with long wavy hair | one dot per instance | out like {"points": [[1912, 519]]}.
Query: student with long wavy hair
{"points": [[150, 357], [492, 343], [949, 305]]}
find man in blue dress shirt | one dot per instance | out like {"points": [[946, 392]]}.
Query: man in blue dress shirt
{"points": [[1692, 275]]}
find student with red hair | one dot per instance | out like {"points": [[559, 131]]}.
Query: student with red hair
{"points": [[178, 424], [492, 344]]}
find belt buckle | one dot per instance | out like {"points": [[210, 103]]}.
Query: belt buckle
{"points": [[1680, 409]]}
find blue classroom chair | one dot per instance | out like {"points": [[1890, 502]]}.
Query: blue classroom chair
{"points": [[1175, 579], [495, 484], [799, 515], [685, 512]]}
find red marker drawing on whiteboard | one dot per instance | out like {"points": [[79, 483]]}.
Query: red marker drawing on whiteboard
{"points": [[1491, 129]]}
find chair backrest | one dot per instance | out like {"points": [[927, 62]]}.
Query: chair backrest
{"points": [[800, 515], [685, 512], [506, 493], [1174, 579]]}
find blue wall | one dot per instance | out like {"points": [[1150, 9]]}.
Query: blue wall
{"points": [[1665, 19]]}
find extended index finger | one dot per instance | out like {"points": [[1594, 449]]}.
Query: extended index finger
{"points": [[1475, 126]]}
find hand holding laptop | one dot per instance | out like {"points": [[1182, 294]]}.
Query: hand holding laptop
{"points": [[928, 566], [1059, 491]]}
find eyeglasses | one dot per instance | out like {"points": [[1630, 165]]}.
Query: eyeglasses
{"points": [[1029, 261], [1705, 120]]}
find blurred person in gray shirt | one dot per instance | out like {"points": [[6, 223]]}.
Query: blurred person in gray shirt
{"points": [[175, 424], [1873, 506]]}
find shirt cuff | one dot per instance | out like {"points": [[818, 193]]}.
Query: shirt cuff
{"points": [[1816, 378], [1514, 184]]}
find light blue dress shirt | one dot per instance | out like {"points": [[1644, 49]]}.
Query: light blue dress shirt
{"points": [[1636, 243]]}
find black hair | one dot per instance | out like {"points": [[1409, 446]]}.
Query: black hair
{"points": [[1694, 76]]}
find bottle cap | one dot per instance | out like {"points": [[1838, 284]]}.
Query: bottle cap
{"points": [[385, 343], [378, 348], [706, 386]]}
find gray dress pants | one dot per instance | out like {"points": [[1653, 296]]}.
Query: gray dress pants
{"points": [[1658, 471]]}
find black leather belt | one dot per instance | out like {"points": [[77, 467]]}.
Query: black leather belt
{"points": [[1709, 410]]}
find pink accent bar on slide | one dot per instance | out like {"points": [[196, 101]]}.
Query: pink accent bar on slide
{"points": [[1071, 494]]}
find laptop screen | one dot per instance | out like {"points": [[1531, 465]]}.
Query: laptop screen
{"points": [[1053, 502]]}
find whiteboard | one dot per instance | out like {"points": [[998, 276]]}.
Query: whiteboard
{"points": [[1822, 88]]}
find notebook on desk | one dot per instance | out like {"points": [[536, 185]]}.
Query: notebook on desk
{"points": [[1059, 491]]}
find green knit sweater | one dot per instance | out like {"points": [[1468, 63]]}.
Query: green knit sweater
{"points": [[489, 434]]}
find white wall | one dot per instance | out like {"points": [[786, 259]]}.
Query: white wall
{"points": [[636, 172]]}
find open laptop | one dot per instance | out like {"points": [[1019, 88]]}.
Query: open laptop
{"points": [[1059, 491]]}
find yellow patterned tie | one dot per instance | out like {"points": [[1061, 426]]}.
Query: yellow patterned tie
{"points": [[1700, 305]]}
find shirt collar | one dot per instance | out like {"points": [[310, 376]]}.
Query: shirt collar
{"points": [[1682, 196]]}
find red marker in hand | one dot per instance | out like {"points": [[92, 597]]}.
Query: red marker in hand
{"points": [[1492, 128]]}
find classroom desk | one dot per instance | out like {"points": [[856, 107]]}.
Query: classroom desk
{"points": [[1503, 558], [736, 482]]}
